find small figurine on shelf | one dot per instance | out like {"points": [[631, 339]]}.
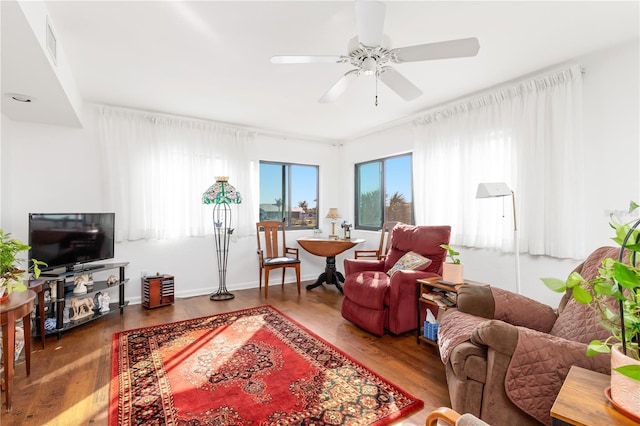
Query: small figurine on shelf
{"points": [[104, 303], [50, 324], [53, 289], [81, 308], [112, 280], [81, 282], [347, 230], [96, 302]]}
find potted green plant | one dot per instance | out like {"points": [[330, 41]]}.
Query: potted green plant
{"points": [[619, 279], [452, 271], [11, 274]]}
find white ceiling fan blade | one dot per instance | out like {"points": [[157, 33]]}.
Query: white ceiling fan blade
{"points": [[370, 22], [399, 84], [305, 59], [338, 88], [441, 50]]}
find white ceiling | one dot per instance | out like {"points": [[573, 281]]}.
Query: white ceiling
{"points": [[211, 59]]}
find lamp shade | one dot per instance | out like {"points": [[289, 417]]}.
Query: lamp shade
{"points": [[333, 213], [221, 192], [492, 189]]}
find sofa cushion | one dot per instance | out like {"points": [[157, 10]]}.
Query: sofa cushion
{"points": [[412, 261], [369, 288]]}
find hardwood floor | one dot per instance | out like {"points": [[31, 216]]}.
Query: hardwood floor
{"points": [[69, 381]]}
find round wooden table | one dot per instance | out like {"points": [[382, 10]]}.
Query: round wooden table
{"points": [[328, 248], [19, 305]]}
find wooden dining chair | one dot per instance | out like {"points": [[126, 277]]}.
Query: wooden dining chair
{"points": [[385, 243], [273, 252]]}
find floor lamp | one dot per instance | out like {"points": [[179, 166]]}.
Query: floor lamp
{"points": [[222, 194], [500, 189]]}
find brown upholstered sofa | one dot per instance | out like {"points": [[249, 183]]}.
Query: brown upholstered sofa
{"points": [[507, 356], [376, 302]]}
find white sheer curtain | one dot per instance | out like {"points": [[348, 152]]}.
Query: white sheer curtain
{"points": [[157, 167], [528, 135]]}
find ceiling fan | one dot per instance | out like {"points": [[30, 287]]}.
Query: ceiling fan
{"points": [[370, 53]]}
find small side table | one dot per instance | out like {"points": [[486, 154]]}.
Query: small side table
{"points": [[426, 286], [19, 305], [328, 248], [582, 401]]}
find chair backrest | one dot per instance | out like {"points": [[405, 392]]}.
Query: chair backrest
{"points": [[383, 247], [424, 240], [577, 321], [271, 231], [385, 238]]}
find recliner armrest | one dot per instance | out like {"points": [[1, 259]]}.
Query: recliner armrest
{"points": [[496, 334], [352, 266], [469, 361]]}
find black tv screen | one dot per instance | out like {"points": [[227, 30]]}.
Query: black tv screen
{"points": [[68, 239]]}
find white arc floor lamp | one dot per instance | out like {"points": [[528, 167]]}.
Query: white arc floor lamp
{"points": [[500, 189]]}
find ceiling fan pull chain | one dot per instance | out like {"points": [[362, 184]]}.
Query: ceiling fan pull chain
{"points": [[377, 74]]}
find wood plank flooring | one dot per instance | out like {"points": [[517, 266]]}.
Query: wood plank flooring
{"points": [[69, 381]]}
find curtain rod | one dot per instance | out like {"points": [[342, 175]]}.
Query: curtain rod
{"points": [[233, 126]]}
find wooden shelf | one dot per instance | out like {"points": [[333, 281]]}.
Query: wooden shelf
{"points": [[430, 285], [157, 291]]}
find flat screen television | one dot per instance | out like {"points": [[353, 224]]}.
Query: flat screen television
{"points": [[71, 239]]}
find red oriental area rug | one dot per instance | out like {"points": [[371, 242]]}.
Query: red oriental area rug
{"points": [[250, 367]]}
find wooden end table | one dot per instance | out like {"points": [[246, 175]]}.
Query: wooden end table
{"points": [[19, 305], [426, 286], [582, 401]]}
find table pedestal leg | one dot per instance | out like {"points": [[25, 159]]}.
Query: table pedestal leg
{"points": [[330, 275]]}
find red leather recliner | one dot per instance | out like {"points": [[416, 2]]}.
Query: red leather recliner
{"points": [[376, 302]]}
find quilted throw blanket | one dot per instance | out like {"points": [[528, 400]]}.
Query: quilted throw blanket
{"points": [[538, 367], [455, 330]]}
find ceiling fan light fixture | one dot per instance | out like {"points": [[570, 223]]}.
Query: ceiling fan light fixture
{"points": [[370, 53], [369, 66]]}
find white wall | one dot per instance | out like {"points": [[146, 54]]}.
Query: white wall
{"points": [[612, 140], [48, 168]]}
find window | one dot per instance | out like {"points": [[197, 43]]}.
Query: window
{"points": [[289, 192], [383, 192]]}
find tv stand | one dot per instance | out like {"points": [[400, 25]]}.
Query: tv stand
{"points": [[85, 268], [61, 285]]}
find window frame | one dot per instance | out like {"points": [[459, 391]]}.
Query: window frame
{"points": [[383, 193], [287, 187]]}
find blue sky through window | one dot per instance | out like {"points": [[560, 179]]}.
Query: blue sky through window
{"points": [[398, 179]]}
